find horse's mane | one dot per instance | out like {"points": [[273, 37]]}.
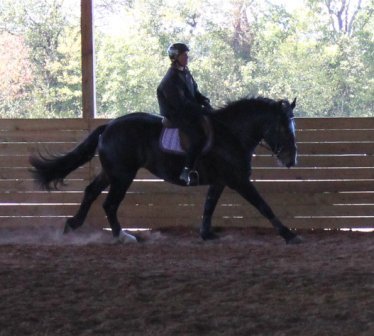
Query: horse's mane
{"points": [[250, 104]]}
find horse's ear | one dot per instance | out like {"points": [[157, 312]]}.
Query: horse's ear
{"points": [[293, 104]]}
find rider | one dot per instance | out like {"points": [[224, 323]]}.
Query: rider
{"points": [[181, 102]]}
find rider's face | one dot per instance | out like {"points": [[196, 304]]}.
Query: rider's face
{"points": [[183, 59]]}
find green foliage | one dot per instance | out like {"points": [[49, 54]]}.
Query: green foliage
{"points": [[53, 45], [120, 66], [238, 48]]}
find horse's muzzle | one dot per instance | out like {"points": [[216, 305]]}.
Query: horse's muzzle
{"points": [[288, 158], [292, 163]]}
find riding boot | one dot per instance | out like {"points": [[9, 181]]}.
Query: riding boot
{"points": [[190, 176], [196, 139]]}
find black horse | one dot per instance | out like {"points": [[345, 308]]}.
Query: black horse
{"points": [[132, 141]]}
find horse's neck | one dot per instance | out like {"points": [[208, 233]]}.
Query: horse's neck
{"points": [[247, 128]]}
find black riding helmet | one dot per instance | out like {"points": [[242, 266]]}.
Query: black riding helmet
{"points": [[177, 49]]}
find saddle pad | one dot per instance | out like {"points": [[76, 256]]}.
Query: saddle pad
{"points": [[170, 141]]}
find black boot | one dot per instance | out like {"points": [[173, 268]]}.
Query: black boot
{"points": [[191, 177]]}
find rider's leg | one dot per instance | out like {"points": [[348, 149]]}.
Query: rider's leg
{"points": [[196, 142]]}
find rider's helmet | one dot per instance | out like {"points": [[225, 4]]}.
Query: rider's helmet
{"points": [[176, 49]]}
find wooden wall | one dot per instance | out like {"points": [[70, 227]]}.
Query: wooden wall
{"points": [[332, 186]]}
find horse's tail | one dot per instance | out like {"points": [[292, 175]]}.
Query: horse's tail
{"points": [[49, 171]]}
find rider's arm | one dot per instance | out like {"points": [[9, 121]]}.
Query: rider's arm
{"points": [[205, 101], [177, 100]]}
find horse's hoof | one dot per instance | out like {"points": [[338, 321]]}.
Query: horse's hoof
{"points": [[67, 229], [126, 238], [295, 240], [208, 235]]}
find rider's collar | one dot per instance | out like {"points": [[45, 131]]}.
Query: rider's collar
{"points": [[179, 67]]}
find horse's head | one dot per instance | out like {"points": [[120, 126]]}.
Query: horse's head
{"points": [[280, 135]]}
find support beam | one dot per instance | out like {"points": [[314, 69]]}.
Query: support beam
{"points": [[88, 60]]}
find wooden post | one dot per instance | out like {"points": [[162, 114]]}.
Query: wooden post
{"points": [[88, 60], [88, 69]]}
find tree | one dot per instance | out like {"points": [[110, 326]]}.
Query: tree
{"points": [[16, 74], [41, 25], [348, 70], [322, 53]]}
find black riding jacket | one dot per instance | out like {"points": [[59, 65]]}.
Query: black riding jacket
{"points": [[179, 98]]}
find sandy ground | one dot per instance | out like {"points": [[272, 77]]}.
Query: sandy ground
{"points": [[248, 282]]}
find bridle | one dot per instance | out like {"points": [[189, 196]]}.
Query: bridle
{"points": [[278, 148]]}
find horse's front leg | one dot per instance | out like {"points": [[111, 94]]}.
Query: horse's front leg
{"points": [[214, 193], [250, 193]]}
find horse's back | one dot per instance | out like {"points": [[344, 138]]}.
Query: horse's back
{"points": [[129, 138], [140, 124], [136, 118]]}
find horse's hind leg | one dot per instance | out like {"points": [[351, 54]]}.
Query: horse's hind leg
{"points": [[92, 191], [117, 192], [214, 193]]}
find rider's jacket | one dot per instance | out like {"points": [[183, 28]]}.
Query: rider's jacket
{"points": [[179, 98]]}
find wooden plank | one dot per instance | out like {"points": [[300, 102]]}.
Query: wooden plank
{"points": [[79, 123], [14, 161], [44, 136], [24, 173], [268, 162], [316, 186], [289, 201], [305, 161], [312, 173], [262, 163], [301, 173], [27, 222], [334, 123], [246, 211], [32, 210], [44, 125], [334, 161], [19, 185], [342, 148], [164, 199], [155, 210], [334, 135], [263, 186], [268, 186], [26, 148], [40, 198]]}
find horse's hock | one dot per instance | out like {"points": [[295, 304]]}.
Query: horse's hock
{"points": [[331, 187]]}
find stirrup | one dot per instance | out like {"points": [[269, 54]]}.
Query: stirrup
{"points": [[191, 177]]}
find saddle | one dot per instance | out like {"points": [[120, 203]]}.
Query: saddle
{"points": [[172, 140]]}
